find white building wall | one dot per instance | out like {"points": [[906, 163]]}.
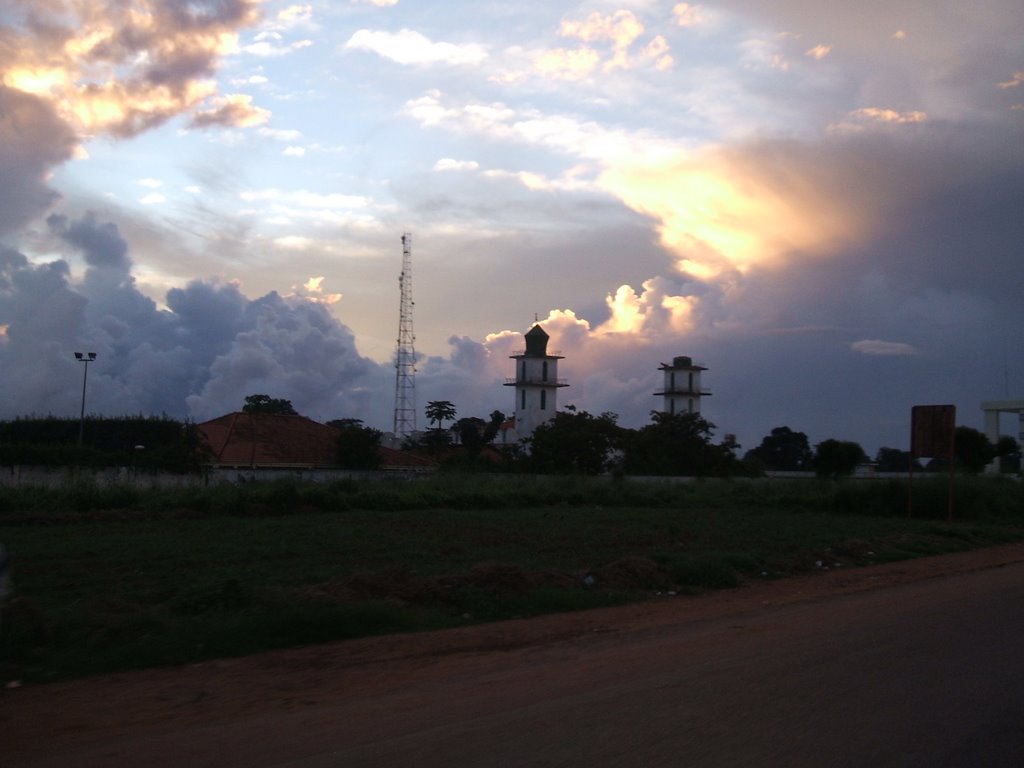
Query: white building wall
{"points": [[682, 388], [536, 393]]}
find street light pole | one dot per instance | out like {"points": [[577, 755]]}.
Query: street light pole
{"points": [[83, 357]]}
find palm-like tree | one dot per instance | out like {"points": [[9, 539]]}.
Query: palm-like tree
{"points": [[440, 411]]}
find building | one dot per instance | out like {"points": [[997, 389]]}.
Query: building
{"points": [[682, 390], [536, 383], [287, 442], [992, 410], [270, 440]]}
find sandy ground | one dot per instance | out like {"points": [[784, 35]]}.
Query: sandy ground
{"points": [[48, 724]]}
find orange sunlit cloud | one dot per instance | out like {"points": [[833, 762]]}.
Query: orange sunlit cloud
{"points": [[621, 29], [687, 15], [566, 64], [121, 70], [649, 312], [720, 213]]}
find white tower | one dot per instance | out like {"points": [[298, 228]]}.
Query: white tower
{"points": [[682, 391], [536, 382]]}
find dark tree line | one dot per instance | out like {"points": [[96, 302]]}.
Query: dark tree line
{"points": [[140, 441], [571, 442], [576, 442]]}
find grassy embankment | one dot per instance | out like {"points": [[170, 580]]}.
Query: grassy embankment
{"points": [[111, 579]]}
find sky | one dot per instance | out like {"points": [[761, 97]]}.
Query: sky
{"points": [[822, 202]]}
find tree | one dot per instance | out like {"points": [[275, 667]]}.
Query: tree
{"points": [[470, 430], [267, 404], [677, 444], [1007, 446], [894, 460], [574, 442], [972, 450], [475, 433], [836, 458], [783, 450], [357, 444], [440, 411], [1008, 451]]}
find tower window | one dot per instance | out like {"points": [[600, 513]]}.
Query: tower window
{"points": [[544, 372], [543, 400], [522, 400]]}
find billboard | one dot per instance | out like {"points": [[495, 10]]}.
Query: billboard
{"points": [[931, 431]]}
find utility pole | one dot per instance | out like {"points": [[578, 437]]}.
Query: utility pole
{"points": [[83, 357], [405, 356]]}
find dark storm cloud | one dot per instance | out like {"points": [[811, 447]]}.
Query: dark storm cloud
{"points": [[101, 244], [32, 140], [200, 357], [934, 275]]}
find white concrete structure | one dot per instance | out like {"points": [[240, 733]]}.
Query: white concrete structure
{"points": [[536, 382], [992, 409], [682, 391]]}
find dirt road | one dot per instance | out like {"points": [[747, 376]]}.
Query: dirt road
{"points": [[914, 663]]}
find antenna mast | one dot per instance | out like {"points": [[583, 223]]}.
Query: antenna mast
{"points": [[405, 357]]}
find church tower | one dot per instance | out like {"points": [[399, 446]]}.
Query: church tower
{"points": [[536, 382]]}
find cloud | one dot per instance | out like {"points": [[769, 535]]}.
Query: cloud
{"points": [[718, 210], [884, 348], [123, 70], [269, 45], [311, 208], [687, 15], [448, 164], [294, 242], [567, 64], [32, 140], [102, 244], [876, 118], [1013, 82], [199, 357], [649, 314], [235, 110], [412, 48], [888, 115], [723, 210], [818, 52], [78, 70], [281, 134], [620, 30]]}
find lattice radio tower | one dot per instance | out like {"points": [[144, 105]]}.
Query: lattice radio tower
{"points": [[405, 357]]}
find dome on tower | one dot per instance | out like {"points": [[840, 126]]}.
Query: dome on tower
{"points": [[536, 342]]}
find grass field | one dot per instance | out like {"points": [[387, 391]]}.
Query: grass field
{"points": [[112, 579]]}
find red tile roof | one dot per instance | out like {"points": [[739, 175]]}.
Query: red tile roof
{"points": [[277, 440], [270, 440]]}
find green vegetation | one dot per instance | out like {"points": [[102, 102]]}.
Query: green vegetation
{"points": [[267, 404], [142, 442], [116, 578]]}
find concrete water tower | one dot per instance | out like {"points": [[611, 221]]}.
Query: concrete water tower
{"points": [[536, 382], [682, 390]]}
